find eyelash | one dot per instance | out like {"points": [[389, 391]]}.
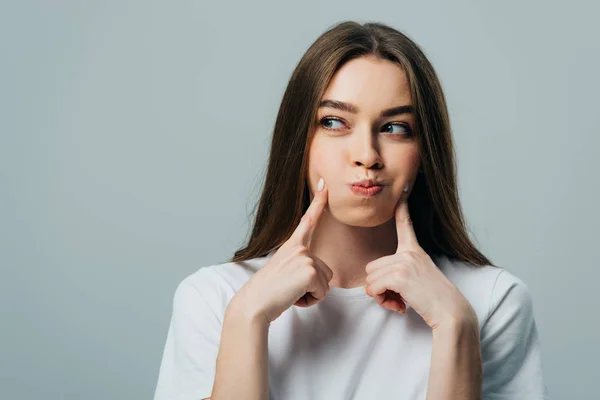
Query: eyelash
{"points": [[406, 126]]}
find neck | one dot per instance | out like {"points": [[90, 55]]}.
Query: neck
{"points": [[347, 249]]}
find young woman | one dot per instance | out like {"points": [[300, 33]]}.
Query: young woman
{"points": [[359, 280]]}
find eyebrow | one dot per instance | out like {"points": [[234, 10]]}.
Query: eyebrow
{"points": [[351, 108]]}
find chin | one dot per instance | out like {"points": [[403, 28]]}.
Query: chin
{"points": [[360, 217]]}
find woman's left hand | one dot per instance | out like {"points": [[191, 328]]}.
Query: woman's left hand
{"points": [[410, 275]]}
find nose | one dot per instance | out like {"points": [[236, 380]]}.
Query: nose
{"points": [[363, 149]]}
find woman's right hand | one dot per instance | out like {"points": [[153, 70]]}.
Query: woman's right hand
{"points": [[292, 276]]}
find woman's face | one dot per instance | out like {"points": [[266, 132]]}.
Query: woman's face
{"points": [[352, 145]]}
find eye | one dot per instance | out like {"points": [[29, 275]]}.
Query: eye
{"points": [[324, 121], [404, 127]]}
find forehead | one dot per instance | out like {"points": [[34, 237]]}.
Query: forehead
{"points": [[370, 83]]}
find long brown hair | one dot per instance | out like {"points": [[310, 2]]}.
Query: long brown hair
{"points": [[434, 203]]}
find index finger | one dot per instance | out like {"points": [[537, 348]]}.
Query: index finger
{"points": [[305, 228], [407, 239]]}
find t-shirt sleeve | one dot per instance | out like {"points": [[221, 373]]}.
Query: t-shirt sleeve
{"points": [[510, 347], [188, 364]]}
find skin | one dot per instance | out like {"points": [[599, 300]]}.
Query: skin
{"points": [[355, 230], [366, 241], [370, 241]]}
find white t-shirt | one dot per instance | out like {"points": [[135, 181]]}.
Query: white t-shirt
{"points": [[349, 347]]}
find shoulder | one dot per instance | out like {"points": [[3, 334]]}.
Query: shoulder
{"points": [[510, 344], [215, 284], [486, 287]]}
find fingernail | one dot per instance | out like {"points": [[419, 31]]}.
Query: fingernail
{"points": [[406, 187], [320, 185]]}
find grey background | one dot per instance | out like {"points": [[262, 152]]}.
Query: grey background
{"points": [[134, 135]]}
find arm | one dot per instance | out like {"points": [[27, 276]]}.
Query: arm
{"points": [[242, 368], [214, 349], [187, 368], [510, 344], [456, 370]]}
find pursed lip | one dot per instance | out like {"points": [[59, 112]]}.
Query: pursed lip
{"points": [[366, 183]]}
